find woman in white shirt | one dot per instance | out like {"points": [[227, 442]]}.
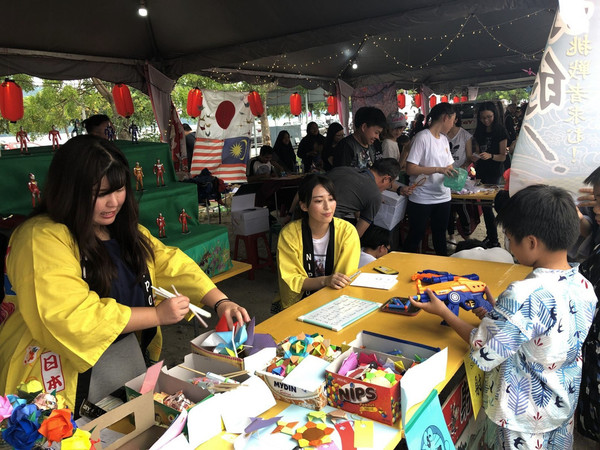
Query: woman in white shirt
{"points": [[430, 157]]}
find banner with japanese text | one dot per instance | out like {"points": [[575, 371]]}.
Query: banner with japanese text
{"points": [[559, 142]]}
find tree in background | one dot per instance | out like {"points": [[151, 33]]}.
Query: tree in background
{"points": [[60, 103]]}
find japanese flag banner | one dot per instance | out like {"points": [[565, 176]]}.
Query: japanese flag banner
{"points": [[223, 136], [559, 142]]}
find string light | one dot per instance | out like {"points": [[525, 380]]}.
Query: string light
{"points": [[281, 65]]}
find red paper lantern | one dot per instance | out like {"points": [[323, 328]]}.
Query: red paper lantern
{"points": [[464, 98], [295, 104], [455, 99], [432, 101], [123, 102], [444, 99], [11, 101], [256, 105], [194, 102], [331, 105], [418, 100], [401, 100]]}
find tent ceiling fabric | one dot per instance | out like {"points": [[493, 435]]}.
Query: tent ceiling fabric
{"points": [[446, 44]]}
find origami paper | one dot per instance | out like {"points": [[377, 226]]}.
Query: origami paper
{"points": [[313, 434], [258, 423], [337, 414], [285, 427], [350, 363], [317, 415], [363, 433], [79, 441], [6, 408]]}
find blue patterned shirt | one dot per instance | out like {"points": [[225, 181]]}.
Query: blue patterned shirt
{"points": [[529, 345]]}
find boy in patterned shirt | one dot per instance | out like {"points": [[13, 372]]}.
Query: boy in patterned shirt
{"points": [[530, 344]]}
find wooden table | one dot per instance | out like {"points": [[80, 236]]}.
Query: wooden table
{"points": [[238, 267], [422, 328], [485, 197]]}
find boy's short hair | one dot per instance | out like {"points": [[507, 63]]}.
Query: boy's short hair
{"points": [[371, 116], [387, 166], [593, 178], [186, 127], [375, 236], [266, 150], [546, 212]]}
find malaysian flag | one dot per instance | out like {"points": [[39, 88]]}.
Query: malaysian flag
{"points": [[223, 136]]}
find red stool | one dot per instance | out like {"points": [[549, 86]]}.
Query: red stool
{"points": [[251, 245]]}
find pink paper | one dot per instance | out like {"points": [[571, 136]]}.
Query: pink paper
{"points": [[350, 363], [151, 378]]}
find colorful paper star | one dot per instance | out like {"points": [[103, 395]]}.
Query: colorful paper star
{"points": [[285, 427], [313, 434], [317, 415]]}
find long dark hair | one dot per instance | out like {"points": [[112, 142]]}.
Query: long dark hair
{"points": [[438, 111], [331, 132], [417, 125], [306, 188], [71, 190], [480, 130]]}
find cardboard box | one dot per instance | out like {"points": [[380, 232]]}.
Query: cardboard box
{"points": [[360, 397], [288, 392], [249, 363], [391, 345], [203, 364], [245, 218], [169, 384], [145, 432], [392, 210]]}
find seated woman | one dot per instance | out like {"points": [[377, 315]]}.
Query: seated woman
{"points": [[78, 282], [317, 250]]}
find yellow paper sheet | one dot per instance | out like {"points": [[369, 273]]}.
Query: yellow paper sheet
{"points": [[475, 378]]}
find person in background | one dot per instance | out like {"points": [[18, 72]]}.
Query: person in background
{"points": [[311, 147], [263, 165], [335, 133], [284, 151], [588, 409], [530, 344], [489, 153], [375, 243], [190, 140], [318, 250], [357, 150], [358, 192], [97, 125], [430, 158], [474, 249], [460, 147], [78, 281], [417, 126], [396, 123]]}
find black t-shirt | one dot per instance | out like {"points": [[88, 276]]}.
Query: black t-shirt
{"points": [[490, 171], [125, 288]]}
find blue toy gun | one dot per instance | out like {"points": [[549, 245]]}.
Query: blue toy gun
{"points": [[462, 292]]}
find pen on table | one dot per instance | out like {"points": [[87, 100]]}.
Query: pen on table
{"points": [[355, 274]]}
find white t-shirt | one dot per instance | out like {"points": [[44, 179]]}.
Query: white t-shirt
{"points": [[427, 151], [389, 148], [320, 254], [458, 146], [261, 168], [365, 258], [495, 254]]}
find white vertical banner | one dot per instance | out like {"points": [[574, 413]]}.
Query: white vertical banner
{"points": [[559, 142]]}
